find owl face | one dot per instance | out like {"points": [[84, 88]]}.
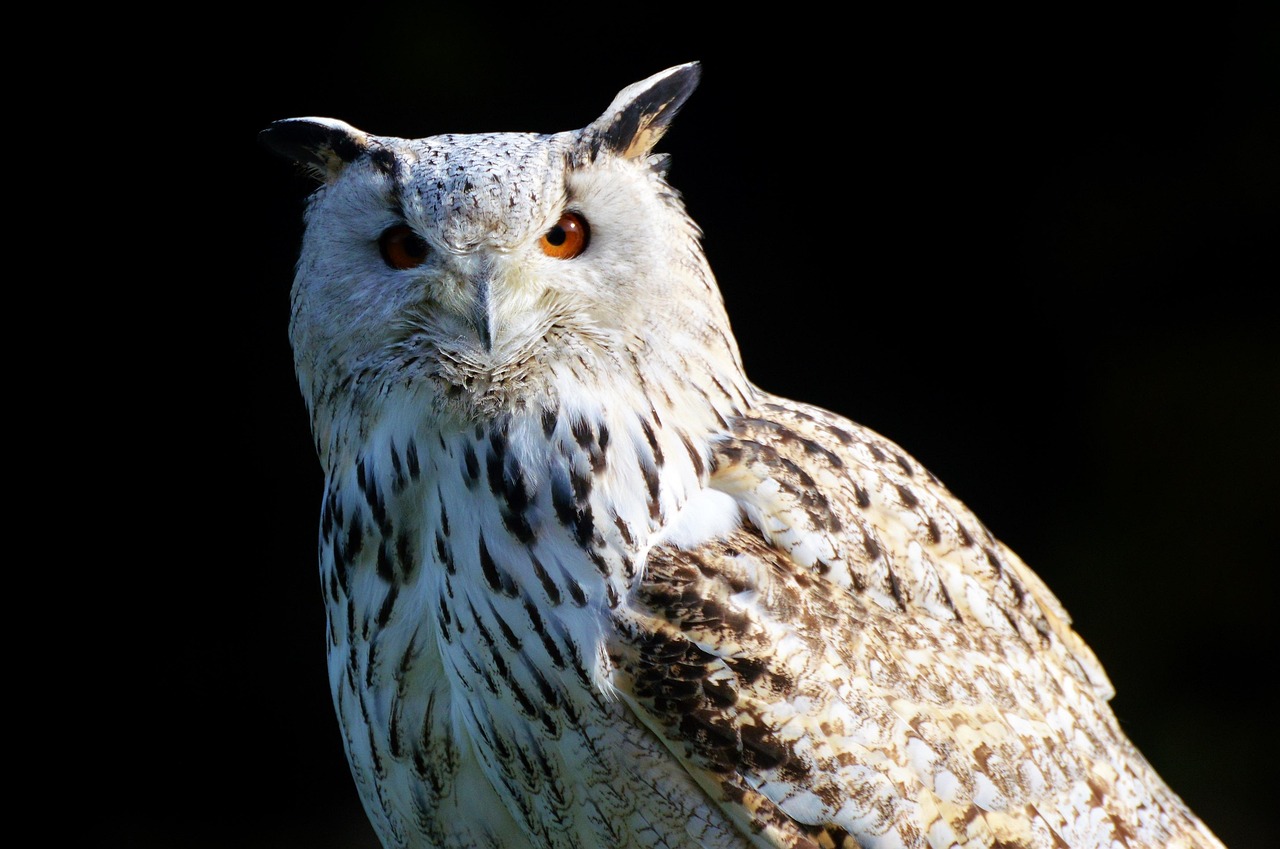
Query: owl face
{"points": [[434, 239], [458, 278], [474, 266]]}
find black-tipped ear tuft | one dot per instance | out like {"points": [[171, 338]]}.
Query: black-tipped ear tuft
{"points": [[641, 112], [324, 146]]}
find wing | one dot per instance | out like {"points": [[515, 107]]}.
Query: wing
{"points": [[860, 663]]}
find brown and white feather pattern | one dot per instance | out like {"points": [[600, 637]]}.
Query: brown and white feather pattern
{"points": [[586, 586], [860, 663]]}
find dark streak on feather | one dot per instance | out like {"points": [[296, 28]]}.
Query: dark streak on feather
{"points": [[760, 749], [487, 637], [932, 532], [896, 589], [903, 464], [695, 457], [573, 513], [623, 529], [842, 436], [787, 436], [326, 515], [507, 633], [519, 526], [946, 598], [354, 541], [582, 433], [540, 628], [373, 496], [445, 618], [442, 553], [396, 466], [385, 566], [652, 439], [495, 577], [384, 612], [334, 588], [576, 593], [374, 749], [748, 669], [996, 566], [406, 557], [471, 465], [548, 585], [411, 456]]}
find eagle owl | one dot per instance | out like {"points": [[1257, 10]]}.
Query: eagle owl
{"points": [[588, 586]]}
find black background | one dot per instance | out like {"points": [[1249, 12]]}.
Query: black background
{"points": [[1037, 249]]}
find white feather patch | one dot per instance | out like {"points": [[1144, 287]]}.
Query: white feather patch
{"points": [[709, 514]]}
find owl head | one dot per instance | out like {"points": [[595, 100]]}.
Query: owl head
{"points": [[483, 273]]}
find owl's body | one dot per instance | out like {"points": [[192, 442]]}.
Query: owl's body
{"points": [[588, 586]]}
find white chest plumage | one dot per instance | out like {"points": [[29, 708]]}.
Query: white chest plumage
{"points": [[471, 580]]}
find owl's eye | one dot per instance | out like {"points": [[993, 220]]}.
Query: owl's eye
{"points": [[402, 248], [568, 238]]}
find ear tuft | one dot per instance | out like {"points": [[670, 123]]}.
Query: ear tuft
{"points": [[324, 146], [641, 113]]}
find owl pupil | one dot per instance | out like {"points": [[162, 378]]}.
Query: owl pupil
{"points": [[556, 235], [402, 248]]}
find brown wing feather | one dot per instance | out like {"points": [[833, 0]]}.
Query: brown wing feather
{"points": [[862, 663]]}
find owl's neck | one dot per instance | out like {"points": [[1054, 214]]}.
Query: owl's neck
{"points": [[602, 470], [696, 381]]}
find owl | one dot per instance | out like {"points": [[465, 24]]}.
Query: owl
{"points": [[587, 585]]}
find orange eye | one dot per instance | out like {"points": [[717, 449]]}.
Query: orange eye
{"points": [[568, 238], [402, 248]]}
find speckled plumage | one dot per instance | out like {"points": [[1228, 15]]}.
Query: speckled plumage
{"points": [[588, 586]]}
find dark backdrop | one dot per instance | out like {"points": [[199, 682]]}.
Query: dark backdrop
{"points": [[1035, 248]]}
